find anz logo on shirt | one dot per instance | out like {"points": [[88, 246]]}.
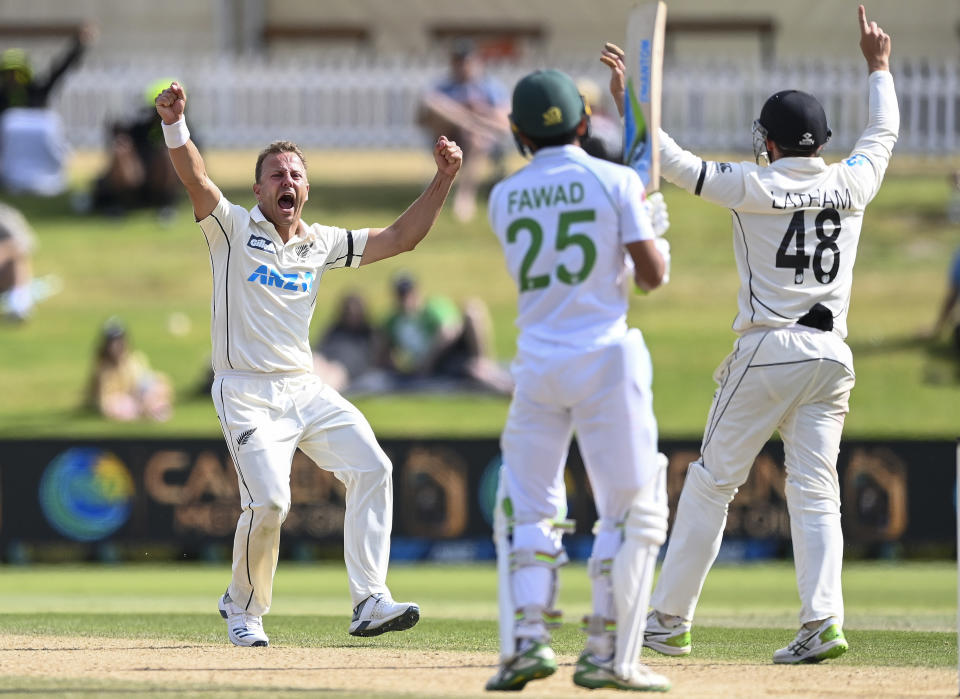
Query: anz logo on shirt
{"points": [[858, 159], [269, 277]]}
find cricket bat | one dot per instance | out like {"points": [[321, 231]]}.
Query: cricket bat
{"points": [[641, 118]]}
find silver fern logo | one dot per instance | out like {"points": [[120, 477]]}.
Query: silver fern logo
{"points": [[245, 436], [302, 250]]}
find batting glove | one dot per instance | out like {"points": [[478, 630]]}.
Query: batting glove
{"points": [[656, 209]]}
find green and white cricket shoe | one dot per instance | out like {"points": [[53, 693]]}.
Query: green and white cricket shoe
{"points": [[667, 635], [534, 663], [813, 645], [594, 673]]}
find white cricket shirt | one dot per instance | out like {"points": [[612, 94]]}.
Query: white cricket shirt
{"points": [[563, 221], [264, 291], [796, 223]]}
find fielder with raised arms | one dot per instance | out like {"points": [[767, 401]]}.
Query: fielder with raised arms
{"points": [[570, 225], [267, 263], [796, 225]]}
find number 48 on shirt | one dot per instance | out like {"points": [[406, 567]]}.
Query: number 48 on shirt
{"points": [[827, 226]]}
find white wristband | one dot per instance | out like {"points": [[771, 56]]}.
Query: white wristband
{"points": [[176, 134]]}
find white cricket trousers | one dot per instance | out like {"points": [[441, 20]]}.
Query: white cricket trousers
{"points": [[795, 380], [605, 395], [265, 418]]}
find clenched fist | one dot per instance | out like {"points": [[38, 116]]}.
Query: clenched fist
{"points": [[448, 155], [171, 103]]}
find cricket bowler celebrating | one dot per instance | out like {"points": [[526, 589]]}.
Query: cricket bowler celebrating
{"points": [[569, 223], [266, 265], [796, 225]]}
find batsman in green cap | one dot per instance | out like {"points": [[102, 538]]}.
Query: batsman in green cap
{"points": [[575, 229]]}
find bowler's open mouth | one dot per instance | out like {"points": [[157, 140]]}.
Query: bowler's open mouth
{"points": [[286, 202]]}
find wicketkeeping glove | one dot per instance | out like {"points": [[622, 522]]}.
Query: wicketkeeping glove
{"points": [[656, 209]]}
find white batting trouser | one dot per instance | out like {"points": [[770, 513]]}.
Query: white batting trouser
{"points": [[605, 396], [265, 418], [795, 380]]}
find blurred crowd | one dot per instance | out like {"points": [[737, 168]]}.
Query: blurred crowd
{"points": [[425, 343]]}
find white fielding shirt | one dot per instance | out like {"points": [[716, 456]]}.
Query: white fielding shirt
{"points": [[796, 222], [265, 291], [563, 221]]}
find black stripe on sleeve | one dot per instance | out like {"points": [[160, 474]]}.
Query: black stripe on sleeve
{"points": [[349, 262], [703, 175]]}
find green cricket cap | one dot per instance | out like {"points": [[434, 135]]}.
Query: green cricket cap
{"points": [[546, 103]]}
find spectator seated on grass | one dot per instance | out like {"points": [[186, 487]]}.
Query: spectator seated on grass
{"points": [[19, 290], [139, 173], [948, 315], [123, 387], [431, 345], [345, 354]]}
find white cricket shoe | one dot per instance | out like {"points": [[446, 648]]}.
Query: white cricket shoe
{"points": [[378, 614], [242, 629], [596, 673], [813, 645], [667, 635]]}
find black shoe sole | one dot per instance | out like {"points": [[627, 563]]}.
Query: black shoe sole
{"points": [[403, 622]]}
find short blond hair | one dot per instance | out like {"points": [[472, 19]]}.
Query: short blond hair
{"points": [[277, 147]]}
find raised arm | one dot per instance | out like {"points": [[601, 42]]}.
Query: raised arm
{"points": [[612, 56], [86, 35], [204, 194], [874, 43], [414, 223], [720, 183], [883, 125]]}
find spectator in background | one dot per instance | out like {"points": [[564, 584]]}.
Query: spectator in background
{"points": [[16, 246], [19, 290], [18, 85], [432, 339], [33, 147], [471, 108], [947, 317], [345, 355], [122, 385], [604, 138], [139, 173]]}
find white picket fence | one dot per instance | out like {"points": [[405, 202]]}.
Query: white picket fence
{"points": [[358, 101]]}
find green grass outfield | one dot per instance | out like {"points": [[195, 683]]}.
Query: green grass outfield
{"points": [[898, 615], [910, 607], [145, 271]]}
